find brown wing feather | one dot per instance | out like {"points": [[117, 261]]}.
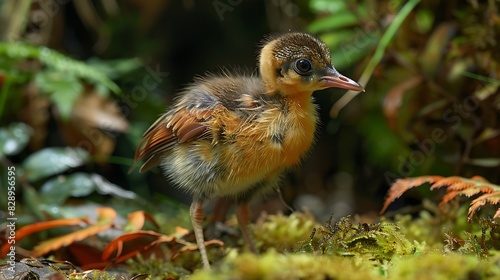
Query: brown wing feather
{"points": [[169, 130]]}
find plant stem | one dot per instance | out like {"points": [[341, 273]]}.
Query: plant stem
{"points": [[377, 56]]}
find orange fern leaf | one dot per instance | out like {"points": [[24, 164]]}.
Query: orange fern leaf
{"points": [[455, 186], [488, 198], [399, 187]]}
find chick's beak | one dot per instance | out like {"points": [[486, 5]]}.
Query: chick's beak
{"points": [[333, 78]]}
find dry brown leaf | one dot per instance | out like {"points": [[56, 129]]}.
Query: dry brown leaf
{"points": [[36, 227], [116, 245], [143, 241], [92, 119], [82, 253], [60, 241], [105, 220], [96, 111]]}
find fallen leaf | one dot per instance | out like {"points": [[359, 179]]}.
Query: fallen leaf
{"points": [[106, 219], [36, 227], [117, 244]]}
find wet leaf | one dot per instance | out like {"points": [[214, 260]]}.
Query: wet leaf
{"points": [[103, 186], [14, 138], [57, 190], [51, 161]]}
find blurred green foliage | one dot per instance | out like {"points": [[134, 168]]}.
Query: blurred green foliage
{"points": [[431, 106]]}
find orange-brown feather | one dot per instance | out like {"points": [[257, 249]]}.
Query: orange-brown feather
{"points": [[184, 126]]}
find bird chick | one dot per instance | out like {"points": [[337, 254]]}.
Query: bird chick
{"points": [[235, 135]]}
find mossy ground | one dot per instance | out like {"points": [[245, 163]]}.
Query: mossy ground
{"points": [[431, 244]]}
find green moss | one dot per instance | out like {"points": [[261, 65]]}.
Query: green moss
{"points": [[283, 233], [273, 265], [379, 241], [157, 268], [436, 265]]}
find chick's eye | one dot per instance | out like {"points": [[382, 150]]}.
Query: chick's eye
{"points": [[303, 66]]}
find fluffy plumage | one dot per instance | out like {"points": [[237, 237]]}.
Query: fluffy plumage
{"points": [[234, 135]]}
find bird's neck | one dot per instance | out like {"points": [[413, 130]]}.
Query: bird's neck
{"points": [[292, 96]]}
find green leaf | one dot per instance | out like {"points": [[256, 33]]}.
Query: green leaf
{"points": [[51, 161], [14, 138], [348, 54], [116, 68], [333, 22], [327, 6], [64, 90], [103, 186], [56, 61], [57, 190]]}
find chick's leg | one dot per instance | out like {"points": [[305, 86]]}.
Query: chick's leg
{"points": [[197, 217], [243, 216]]}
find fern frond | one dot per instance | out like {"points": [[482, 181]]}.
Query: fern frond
{"points": [[57, 61], [399, 187], [489, 198], [455, 186]]}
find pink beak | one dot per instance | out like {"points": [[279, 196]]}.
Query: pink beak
{"points": [[334, 79]]}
